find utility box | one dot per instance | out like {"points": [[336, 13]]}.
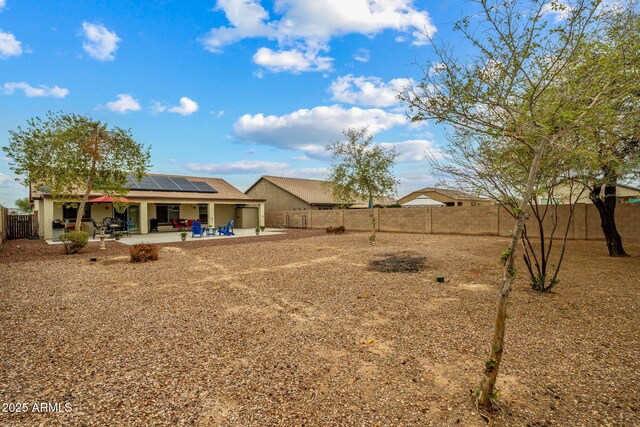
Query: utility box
{"points": [[246, 217]]}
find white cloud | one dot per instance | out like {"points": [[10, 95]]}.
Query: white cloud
{"points": [[317, 20], [362, 55], [9, 45], [302, 28], [3, 3], [124, 103], [558, 10], [186, 108], [217, 114], [239, 167], [309, 130], [294, 60], [414, 150], [367, 91], [100, 43], [34, 92], [5, 178]]}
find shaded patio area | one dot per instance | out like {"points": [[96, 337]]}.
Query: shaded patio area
{"points": [[174, 236]]}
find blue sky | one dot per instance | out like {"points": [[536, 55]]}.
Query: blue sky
{"points": [[234, 88]]}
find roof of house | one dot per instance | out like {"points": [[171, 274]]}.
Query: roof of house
{"points": [[312, 191], [225, 191], [422, 201], [454, 194]]}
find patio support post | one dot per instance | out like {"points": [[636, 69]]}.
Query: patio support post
{"points": [[48, 214], [261, 220], [212, 214], [144, 218]]}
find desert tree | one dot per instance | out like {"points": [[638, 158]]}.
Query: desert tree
{"points": [[501, 89], [612, 143], [69, 153], [24, 205], [361, 170]]}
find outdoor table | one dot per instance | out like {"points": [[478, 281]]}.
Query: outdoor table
{"points": [[211, 231]]}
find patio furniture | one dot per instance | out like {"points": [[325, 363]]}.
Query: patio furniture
{"points": [[226, 230], [153, 225], [97, 228], [196, 229], [211, 231], [177, 225], [190, 223]]}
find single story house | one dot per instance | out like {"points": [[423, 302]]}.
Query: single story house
{"points": [[447, 196], [422, 202], [624, 194], [287, 194], [156, 199]]}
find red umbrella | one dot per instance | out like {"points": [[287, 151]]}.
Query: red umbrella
{"points": [[109, 199]]}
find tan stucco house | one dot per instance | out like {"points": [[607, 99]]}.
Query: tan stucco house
{"points": [[160, 198], [624, 194], [447, 196], [287, 194]]}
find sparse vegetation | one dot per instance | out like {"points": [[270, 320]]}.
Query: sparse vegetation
{"points": [[143, 252], [74, 241]]}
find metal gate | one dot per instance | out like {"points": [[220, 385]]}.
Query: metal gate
{"points": [[19, 226]]}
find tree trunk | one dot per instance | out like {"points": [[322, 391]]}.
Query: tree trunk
{"points": [[492, 365], [372, 237], [92, 176], [607, 210]]}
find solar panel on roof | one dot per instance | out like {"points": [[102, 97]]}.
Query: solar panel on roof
{"points": [[131, 183], [203, 187], [166, 183], [185, 185], [148, 183]]}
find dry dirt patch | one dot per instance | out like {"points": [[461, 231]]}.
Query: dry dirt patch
{"points": [[293, 332]]}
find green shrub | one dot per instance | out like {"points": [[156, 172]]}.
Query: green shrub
{"points": [[74, 241], [143, 252]]}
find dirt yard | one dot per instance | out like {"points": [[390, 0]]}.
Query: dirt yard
{"points": [[299, 331]]}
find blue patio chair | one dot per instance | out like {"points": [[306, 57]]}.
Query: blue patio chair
{"points": [[226, 230], [196, 229]]}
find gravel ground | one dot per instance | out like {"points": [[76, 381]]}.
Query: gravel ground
{"points": [[299, 331]]}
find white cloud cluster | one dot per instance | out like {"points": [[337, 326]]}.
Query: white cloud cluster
{"points": [[414, 150], [310, 25], [294, 60], [186, 107], [100, 43], [124, 103], [3, 3], [239, 167], [35, 92], [362, 55], [308, 130], [367, 91], [9, 45]]}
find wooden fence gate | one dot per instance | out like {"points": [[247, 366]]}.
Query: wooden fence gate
{"points": [[19, 226]]}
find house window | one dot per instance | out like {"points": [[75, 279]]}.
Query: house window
{"points": [[459, 203], [165, 213], [203, 214], [71, 213], [450, 203]]}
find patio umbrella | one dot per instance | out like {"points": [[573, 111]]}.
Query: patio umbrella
{"points": [[109, 199]]}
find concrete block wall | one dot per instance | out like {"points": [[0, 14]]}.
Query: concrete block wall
{"points": [[472, 220]]}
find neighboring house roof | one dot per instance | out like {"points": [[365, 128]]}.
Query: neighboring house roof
{"points": [[422, 201], [312, 191], [225, 191], [454, 194]]}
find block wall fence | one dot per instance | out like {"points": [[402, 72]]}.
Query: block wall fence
{"points": [[472, 220]]}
